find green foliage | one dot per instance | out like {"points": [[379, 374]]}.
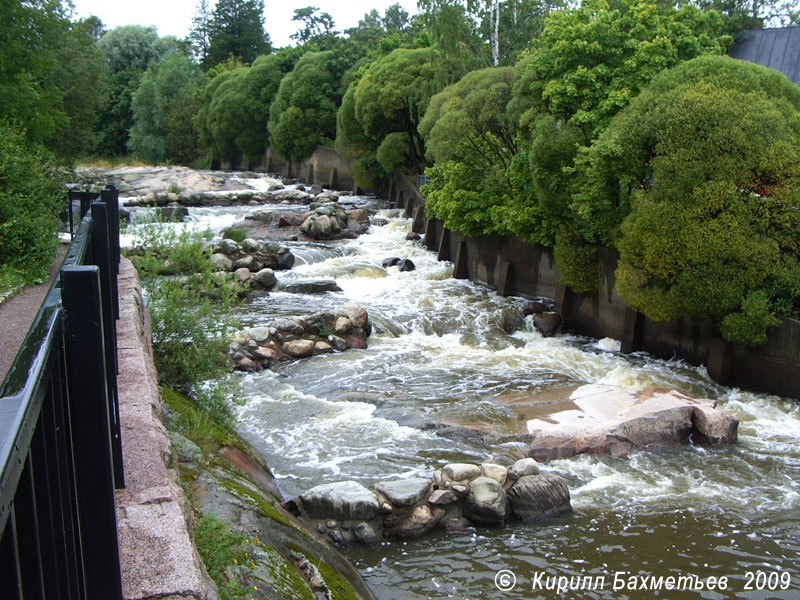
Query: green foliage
{"points": [[577, 262], [191, 314], [715, 229], [237, 234], [236, 28], [220, 549], [303, 113], [393, 151], [31, 200], [163, 108]]}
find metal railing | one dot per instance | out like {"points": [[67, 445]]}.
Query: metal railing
{"points": [[60, 445]]}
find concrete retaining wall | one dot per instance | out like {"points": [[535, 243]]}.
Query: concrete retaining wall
{"points": [[513, 267]]}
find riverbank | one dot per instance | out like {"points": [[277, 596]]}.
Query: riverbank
{"points": [[215, 480]]}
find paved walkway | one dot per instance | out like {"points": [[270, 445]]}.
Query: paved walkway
{"points": [[17, 314]]}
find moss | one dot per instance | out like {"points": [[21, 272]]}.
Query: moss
{"points": [[279, 573], [338, 585], [199, 426], [256, 499]]}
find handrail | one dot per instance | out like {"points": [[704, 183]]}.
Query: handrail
{"points": [[60, 446]]}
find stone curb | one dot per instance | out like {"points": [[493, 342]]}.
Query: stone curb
{"points": [[154, 522]]}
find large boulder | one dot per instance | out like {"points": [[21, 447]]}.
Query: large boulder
{"points": [[604, 419], [309, 286], [342, 501], [486, 502], [420, 521], [404, 492], [265, 279], [547, 324], [535, 497]]}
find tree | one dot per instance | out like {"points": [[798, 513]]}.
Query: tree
{"points": [[303, 113], [162, 109], [390, 97], [237, 29], [314, 24], [128, 51], [395, 18], [200, 33], [30, 202], [710, 156]]}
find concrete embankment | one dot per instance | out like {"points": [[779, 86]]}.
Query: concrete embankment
{"points": [[157, 552], [174, 475]]}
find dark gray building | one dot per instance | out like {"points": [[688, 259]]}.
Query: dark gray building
{"points": [[778, 49]]}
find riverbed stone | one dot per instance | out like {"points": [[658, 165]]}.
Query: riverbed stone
{"points": [[486, 502], [242, 274], [535, 307], [343, 500], [298, 348], [322, 348], [309, 286], [461, 471], [535, 497], [713, 427], [406, 265], [390, 262], [342, 326], [264, 354], [247, 365], [259, 334], [421, 520], [285, 325], [265, 278], [442, 497], [228, 247], [404, 492], [249, 245], [497, 472], [547, 324], [247, 261], [220, 262], [356, 343], [525, 466], [339, 344], [365, 534], [356, 313]]}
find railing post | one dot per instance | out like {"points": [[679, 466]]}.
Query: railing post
{"points": [[110, 196], [101, 245], [91, 420]]}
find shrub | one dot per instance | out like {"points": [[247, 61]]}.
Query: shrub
{"points": [[31, 199]]}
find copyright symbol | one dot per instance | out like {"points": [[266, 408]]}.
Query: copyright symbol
{"points": [[505, 580]]}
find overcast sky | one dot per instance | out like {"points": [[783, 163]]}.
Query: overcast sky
{"points": [[174, 17]]}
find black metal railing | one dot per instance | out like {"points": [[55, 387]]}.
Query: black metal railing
{"points": [[60, 445]]}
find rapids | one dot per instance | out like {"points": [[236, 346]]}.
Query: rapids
{"points": [[440, 352]]}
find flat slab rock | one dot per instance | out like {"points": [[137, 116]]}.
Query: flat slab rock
{"points": [[344, 500], [604, 419], [404, 492]]}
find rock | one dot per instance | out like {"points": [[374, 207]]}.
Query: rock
{"points": [[259, 334], [174, 213], [486, 502], [380, 221], [713, 427], [356, 313], [547, 324], [220, 262], [344, 501], [359, 215], [603, 419], [247, 365], [421, 520], [442, 497], [365, 534], [322, 348], [413, 236], [497, 472], [339, 344], [356, 343], [404, 492], [265, 354], [309, 287], [342, 325], [298, 348], [265, 278], [249, 245], [534, 308], [246, 261], [289, 326], [525, 466], [320, 227], [461, 471], [390, 262], [228, 247], [406, 265], [535, 497], [242, 274]]}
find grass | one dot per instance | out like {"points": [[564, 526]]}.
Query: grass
{"points": [[11, 279], [198, 425], [237, 234], [221, 550]]}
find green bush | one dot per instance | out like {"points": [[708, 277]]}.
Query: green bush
{"points": [[577, 262], [31, 200], [713, 227], [237, 234]]}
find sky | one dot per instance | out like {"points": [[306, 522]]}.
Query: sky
{"points": [[174, 17]]}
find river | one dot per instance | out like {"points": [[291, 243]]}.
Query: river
{"points": [[440, 352]]}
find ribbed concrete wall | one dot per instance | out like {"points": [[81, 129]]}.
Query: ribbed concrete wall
{"points": [[513, 267], [777, 49]]}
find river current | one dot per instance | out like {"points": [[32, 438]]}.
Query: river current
{"points": [[440, 352]]}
